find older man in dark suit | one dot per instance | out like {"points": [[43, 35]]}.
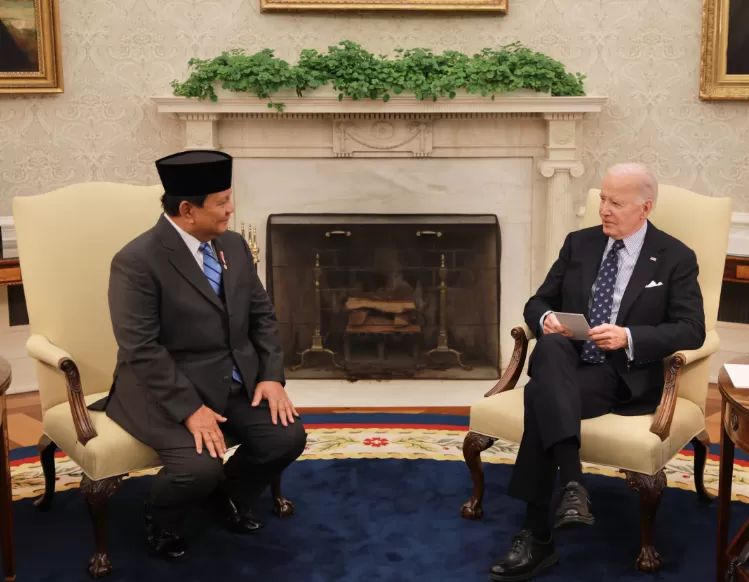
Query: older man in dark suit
{"points": [[199, 356], [638, 288]]}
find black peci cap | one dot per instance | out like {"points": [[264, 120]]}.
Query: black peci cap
{"points": [[195, 173]]}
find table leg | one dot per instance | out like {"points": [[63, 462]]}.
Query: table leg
{"points": [[6, 498], [724, 499]]}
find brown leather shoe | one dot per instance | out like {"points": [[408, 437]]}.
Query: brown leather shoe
{"points": [[574, 506]]}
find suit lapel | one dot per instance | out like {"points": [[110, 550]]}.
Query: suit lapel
{"points": [[643, 273], [183, 261], [591, 262]]}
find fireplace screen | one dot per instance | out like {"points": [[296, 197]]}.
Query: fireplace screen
{"points": [[380, 296]]}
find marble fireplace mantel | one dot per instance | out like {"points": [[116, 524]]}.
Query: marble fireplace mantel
{"points": [[517, 125]]}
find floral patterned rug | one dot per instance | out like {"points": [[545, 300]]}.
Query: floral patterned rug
{"points": [[406, 436]]}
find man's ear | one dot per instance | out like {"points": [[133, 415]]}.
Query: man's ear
{"points": [[185, 210]]}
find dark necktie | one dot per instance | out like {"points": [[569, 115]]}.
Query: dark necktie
{"points": [[212, 271], [603, 300]]}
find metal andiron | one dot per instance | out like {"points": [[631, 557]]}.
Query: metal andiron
{"points": [[317, 346], [442, 347], [251, 239]]}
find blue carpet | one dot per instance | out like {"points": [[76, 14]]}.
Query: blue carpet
{"points": [[373, 520]]}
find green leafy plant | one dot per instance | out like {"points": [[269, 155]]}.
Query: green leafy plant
{"points": [[358, 74]]}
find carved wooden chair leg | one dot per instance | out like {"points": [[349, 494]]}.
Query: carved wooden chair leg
{"points": [[282, 507], [473, 445], [650, 488], [701, 444], [97, 494], [47, 457]]}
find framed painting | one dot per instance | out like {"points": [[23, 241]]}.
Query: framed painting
{"points": [[30, 51], [384, 5], [724, 64]]}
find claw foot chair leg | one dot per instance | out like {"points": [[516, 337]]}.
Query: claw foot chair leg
{"points": [[650, 488], [282, 507], [47, 450], [701, 446], [473, 445], [97, 494]]}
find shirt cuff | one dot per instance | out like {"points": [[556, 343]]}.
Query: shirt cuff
{"points": [[541, 322], [630, 351]]}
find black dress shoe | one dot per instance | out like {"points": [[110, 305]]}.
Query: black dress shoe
{"points": [[574, 506], [230, 515], [164, 543], [241, 522], [526, 557]]}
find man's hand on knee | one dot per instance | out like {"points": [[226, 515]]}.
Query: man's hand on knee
{"points": [[203, 424], [552, 325], [278, 401]]}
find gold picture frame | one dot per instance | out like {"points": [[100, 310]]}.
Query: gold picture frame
{"points": [[30, 49], [724, 64], [499, 6]]}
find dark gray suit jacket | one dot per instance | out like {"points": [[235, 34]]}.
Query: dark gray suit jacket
{"points": [[178, 340]]}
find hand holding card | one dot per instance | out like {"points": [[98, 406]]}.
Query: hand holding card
{"points": [[575, 323]]}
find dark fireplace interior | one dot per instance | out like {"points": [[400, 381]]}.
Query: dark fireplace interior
{"points": [[386, 296]]}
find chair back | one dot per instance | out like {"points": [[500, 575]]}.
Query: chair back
{"points": [[703, 224], [66, 241]]}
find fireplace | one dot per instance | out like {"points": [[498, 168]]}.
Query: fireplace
{"points": [[386, 296]]}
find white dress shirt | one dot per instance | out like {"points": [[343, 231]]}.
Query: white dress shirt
{"points": [[192, 243], [627, 260]]}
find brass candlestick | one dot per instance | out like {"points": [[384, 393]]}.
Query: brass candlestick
{"points": [[317, 346], [442, 347], [251, 239]]}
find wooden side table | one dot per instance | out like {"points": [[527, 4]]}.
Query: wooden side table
{"points": [[734, 433], [736, 269], [6, 494]]}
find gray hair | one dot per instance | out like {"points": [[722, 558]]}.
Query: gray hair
{"points": [[648, 183]]}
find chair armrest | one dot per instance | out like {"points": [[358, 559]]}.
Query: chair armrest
{"points": [[521, 334], [40, 348], [664, 414]]}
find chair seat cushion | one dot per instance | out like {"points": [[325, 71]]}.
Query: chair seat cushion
{"points": [[623, 442], [113, 452]]}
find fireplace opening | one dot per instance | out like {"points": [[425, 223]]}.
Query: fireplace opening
{"points": [[386, 296]]}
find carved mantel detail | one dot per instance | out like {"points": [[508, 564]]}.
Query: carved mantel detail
{"points": [[391, 137], [560, 165], [201, 132]]}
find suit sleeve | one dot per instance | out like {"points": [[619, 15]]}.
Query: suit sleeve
{"points": [[264, 330], [684, 327], [549, 294], [136, 320]]}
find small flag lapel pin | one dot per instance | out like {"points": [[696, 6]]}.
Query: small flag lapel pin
{"points": [[223, 260]]}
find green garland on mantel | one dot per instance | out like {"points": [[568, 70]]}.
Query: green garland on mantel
{"points": [[358, 74]]}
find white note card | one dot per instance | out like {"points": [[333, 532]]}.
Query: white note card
{"points": [[576, 323], [739, 374]]}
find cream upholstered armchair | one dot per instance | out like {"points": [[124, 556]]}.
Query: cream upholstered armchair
{"points": [[640, 446], [66, 242]]}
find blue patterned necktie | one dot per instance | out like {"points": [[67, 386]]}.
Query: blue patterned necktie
{"points": [[212, 271], [603, 300]]}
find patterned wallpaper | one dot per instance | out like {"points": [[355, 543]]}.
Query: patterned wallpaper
{"points": [[642, 54]]}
